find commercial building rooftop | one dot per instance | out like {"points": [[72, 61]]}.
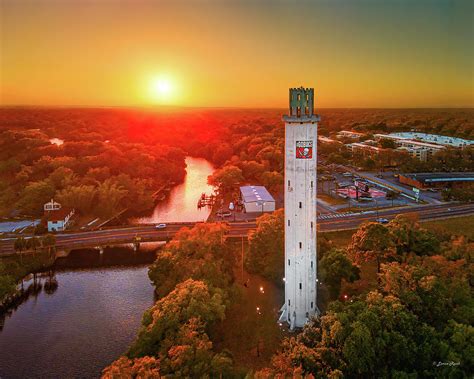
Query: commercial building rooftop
{"points": [[433, 177], [255, 193], [429, 138]]}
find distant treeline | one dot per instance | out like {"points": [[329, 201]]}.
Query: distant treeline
{"points": [[115, 158]]}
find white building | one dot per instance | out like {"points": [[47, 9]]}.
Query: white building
{"points": [[420, 153], [257, 199], [413, 147], [434, 138], [349, 134], [359, 147], [327, 140], [300, 209], [51, 206]]}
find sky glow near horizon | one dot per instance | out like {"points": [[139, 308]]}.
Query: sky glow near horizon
{"points": [[359, 53]]}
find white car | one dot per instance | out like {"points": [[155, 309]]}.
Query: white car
{"points": [[382, 220], [224, 214], [160, 226]]}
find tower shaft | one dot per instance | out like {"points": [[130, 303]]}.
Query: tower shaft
{"points": [[300, 209]]}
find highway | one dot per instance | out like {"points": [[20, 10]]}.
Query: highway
{"points": [[424, 212], [336, 222]]}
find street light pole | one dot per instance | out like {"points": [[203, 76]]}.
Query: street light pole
{"points": [[242, 253]]}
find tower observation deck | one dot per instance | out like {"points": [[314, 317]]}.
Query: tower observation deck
{"points": [[300, 208]]}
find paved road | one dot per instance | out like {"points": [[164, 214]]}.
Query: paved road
{"points": [[426, 212], [239, 229], [323, 207]]}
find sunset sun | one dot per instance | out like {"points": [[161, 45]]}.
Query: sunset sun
{"points": [[162, 90]]}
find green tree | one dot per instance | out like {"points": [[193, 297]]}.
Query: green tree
{"points": [[62, 177], [192, 356], [109, 198], [49, 241], [7, 283], [372, 241], [369, 164], [33, 197], [226, 179], [409, 237], [20, 244], [252, 170], [266, 247], [273, 181], [40, 229], [200, 253], [387, 143], [80, 197], [434, 288], [33, 243], [138, 368], [334, 267], [174, 330], [373, 337]]}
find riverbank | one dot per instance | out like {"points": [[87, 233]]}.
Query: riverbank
{"points": [[14, 269]]}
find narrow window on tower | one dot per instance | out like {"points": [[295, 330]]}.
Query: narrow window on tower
{"points": [[301, 205], [311, 184], [301, 286], [301, 245], [311, 305], [288, 222], [311, 224], [311, 264], [289, 184], [289, 302], [289, 263]]}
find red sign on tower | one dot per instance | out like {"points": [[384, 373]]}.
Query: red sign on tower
{"points": [[304, 149]]}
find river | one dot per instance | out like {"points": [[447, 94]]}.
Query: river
{"points": [[181, 205], [94, 314]]}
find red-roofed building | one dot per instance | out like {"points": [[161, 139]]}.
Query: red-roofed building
{"points": [[57, 217]]}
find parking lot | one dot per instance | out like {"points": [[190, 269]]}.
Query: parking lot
{"points": [[340, 181]]}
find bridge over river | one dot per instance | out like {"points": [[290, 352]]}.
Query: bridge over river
{"points": [[149, 233]]}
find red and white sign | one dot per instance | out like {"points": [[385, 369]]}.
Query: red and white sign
{"points": [[304, 149]]}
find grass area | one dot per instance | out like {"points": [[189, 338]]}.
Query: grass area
{"points": [[455, 225], [339, 239], [255, 310], [258, 334], [331, 200]]}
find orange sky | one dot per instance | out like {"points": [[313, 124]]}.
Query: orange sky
{"points": [[355, 53]]}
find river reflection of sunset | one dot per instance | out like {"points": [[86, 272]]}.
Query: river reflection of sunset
{"points": [[181, 205]]}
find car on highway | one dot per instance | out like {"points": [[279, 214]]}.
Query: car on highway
{"points": [[160, 226], [223, 214], [381, 220]]}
